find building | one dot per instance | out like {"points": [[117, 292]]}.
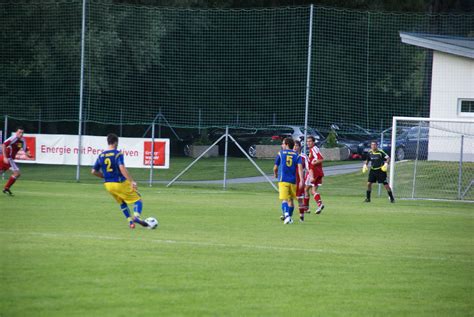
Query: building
{"points": [[452, 94]]}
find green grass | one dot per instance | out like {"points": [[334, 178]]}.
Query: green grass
{"points": [[434, 179], [67, 251], [204, 169]]}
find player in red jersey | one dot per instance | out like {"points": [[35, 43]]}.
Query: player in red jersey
{"points": [[314, 179], [301, 193], [10, 148]]}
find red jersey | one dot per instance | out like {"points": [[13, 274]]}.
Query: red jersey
{"points": [[315, 154], [304, 162], [12, 145]]}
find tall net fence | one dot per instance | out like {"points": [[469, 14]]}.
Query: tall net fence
{"points": [[212, 68], [434, 160], [40, 60]]}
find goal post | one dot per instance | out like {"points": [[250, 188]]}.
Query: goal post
{"points": [[432, 158]]}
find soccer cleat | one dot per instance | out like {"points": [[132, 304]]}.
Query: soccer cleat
{"points": [[301, 219], [288, 220], [141, 222], [282, 217], [132, 225], [392, 200], [8, 191], [320, 208], [367, 200], [307, 211]]}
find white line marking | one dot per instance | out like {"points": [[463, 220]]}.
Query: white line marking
{"points": [[246, 246]]}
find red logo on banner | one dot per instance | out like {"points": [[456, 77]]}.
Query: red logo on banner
{"points": [[31, 145], [159, 155]]}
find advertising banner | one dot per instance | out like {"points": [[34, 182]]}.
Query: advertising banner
{"points": [[63, 150]]}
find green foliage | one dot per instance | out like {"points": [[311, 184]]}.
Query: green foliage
{"points": [[216, 67], [331, 141], [203, 138]]}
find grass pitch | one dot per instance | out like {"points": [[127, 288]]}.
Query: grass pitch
{"points": [[66, 250]]}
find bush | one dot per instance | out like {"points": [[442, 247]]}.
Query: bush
{"points": [[203, 139], [331, 141]]}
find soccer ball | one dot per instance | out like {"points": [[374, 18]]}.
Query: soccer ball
{"points": [[152, 222]]}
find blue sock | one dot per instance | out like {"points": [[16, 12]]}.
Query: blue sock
{"points": [[137, 208], [284, 209], [126, 211], [290, 209]]}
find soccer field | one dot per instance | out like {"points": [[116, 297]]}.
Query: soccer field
{"points": [[67, 251]]}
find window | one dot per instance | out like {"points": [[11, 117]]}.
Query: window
{"points": [[466, 107]]}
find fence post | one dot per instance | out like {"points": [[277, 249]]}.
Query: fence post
{"points": [[367, 72], [308, 75], [392, 153], [152, 152], [381, 146], [121, 121], [81, 90], [460, 168], [199, 121], [225, 156], [5, 133], [416, 160], [39, 121]]}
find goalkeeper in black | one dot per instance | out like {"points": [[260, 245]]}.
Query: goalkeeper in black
{"points": [[378, 170]]}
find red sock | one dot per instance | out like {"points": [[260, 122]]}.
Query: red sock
{"points": [[317, 198], [10, 182]]}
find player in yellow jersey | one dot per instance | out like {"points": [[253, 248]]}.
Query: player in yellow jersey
{"points": [[378, 170]]}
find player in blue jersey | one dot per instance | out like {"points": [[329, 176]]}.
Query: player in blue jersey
{"points": [[118, 182], [287, 165]]}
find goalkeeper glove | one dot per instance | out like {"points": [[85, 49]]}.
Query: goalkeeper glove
{"points": [[364, 169], [384, 167]]}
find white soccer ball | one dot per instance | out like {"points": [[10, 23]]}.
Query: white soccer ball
{"points": [[152, 222]]}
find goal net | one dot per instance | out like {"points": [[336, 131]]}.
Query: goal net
{"points": [[432, 159]]}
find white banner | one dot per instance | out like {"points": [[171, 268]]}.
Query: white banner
{"points": [[63, 149]]}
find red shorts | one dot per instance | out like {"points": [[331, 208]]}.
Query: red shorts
{"points": [[318, 181], [7, 166]]}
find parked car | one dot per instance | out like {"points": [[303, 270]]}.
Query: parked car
{"points": [[248, 139], [405, 144], [180, 138], [351, 135], [297, 132], [386, 143], [414, 144]]}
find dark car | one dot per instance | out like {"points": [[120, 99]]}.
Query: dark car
{"points": [[413, 145], [384, 140], [408, 139], [180, 138], [297, 132], [248, 139], [351, 135]]}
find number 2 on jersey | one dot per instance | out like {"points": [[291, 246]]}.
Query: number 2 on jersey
{"points": [[109, 165]]}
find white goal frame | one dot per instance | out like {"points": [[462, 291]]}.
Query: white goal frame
{"points": [[394, 139]]}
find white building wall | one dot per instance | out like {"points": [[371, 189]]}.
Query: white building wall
{"points": [[452, 79]]}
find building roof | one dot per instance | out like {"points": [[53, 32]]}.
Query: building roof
{"points": [[461, 46]]}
